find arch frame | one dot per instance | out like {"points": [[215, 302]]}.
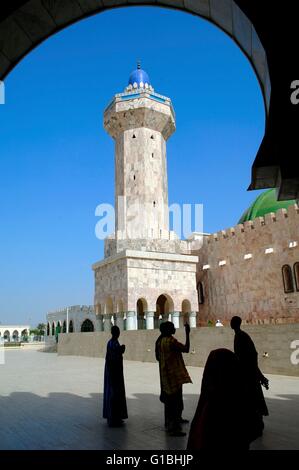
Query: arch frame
{"points": [[27, 30]]}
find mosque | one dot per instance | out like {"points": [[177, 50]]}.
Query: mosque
{"points": [[148, 274]]}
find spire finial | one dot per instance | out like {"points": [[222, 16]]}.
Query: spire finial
{"points": [[138, 64]]}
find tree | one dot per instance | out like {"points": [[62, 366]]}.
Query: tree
{"points": [[41, 327]]}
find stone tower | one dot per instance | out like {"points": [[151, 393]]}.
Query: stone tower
{"points": [[140, 123], [148, 272]]}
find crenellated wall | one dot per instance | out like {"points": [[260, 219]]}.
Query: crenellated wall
{"points": [[251, 287]]}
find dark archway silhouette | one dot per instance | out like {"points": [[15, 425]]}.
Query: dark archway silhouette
{"points": [[87, 326], [141, 309], [200, 293], [287, 279]]}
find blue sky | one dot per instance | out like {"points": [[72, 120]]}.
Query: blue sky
{"points": [[56, 161]]}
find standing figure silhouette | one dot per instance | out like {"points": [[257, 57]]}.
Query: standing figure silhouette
{"points": [[115, 405], [247, 354], [173, 374]]}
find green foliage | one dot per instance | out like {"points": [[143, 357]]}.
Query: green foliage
{"points": [[34, 332], [39, 330]]}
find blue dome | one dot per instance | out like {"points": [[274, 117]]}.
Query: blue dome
{"points": [[139, 76]]}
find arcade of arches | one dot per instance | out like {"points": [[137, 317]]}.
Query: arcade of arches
{"points": [[145, 319], [140, 319], [13, 333]]}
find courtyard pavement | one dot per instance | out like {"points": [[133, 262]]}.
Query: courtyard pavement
{"points": [[55, 402]]}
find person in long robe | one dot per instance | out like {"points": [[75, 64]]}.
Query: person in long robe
{"points": [[115, 405], [245, 350], [173, 374], [222, 420], [57, 332]]}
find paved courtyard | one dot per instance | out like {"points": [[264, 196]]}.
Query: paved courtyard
{"points": [[53, 402]]}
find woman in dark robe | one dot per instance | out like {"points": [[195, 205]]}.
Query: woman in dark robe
{"points": [[115, 406], [222, 419], [254, 379]]}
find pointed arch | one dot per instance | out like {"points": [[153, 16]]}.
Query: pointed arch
{"points": [[87, 326]]}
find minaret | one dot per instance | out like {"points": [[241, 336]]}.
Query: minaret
{"points": [[140, 122]]}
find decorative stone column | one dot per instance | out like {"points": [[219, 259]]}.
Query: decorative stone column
{"points": [[99, 323], [107, 323], [149, 320], [175, 318], [120, 321], [131, 321], [192, 319]]}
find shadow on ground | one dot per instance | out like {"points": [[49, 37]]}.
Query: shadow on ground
{"points": [[69, 421]]}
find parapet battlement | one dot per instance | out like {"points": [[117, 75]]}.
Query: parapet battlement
{"points": [[273, 218], [74, 308]]}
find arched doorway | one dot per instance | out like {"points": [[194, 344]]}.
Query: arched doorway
{"points": [[71, 327], [164, 306], [6, 336], [87, 326], [141, 308], [15, 335], [25, 335], [120, 306], [48, 329], [64, 327], [53, 328], [186, 309], [109, 305]]}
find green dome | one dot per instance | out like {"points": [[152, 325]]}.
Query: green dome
{"points": [[264, 203]]}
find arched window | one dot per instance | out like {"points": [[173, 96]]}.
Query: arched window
{"points": [[71, 327], [48, 329], [64, 327], [86, 326], [53, 329], [200, 293], [287, 277], [296, 275]]}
